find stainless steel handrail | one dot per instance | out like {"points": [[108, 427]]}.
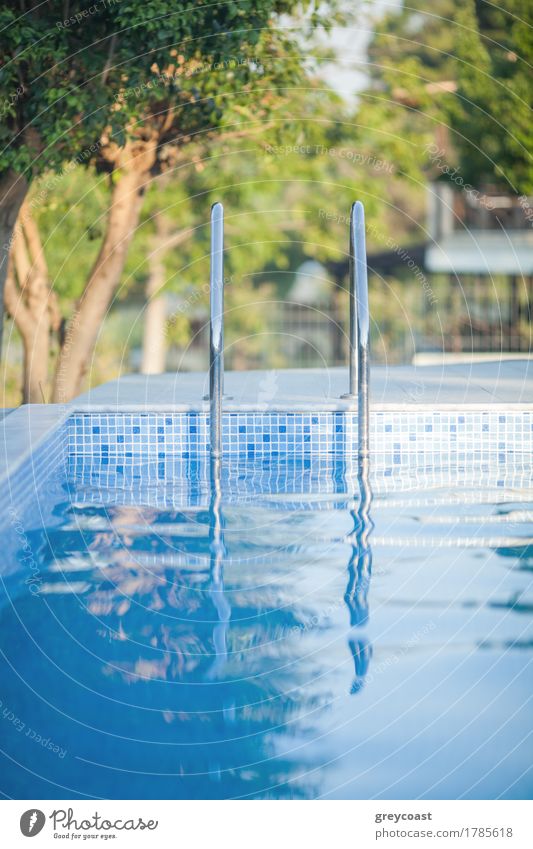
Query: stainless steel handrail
{"points": [[359, 327], [216, 335], [359, 324]]}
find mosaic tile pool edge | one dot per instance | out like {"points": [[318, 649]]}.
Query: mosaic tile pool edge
{"points": [[179, 483], [394, 435], [408, 449]]}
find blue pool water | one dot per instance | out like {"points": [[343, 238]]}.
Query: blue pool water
{"points": [[299, 632]]}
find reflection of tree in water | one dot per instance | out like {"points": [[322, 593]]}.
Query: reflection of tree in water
{"points": [[147, 654], [178, 684], [522, 553]]}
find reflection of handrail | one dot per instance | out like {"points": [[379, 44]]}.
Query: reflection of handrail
{"points": [[216, 336], [359, 573], [359, 324], [216, 555], [360, 564]]}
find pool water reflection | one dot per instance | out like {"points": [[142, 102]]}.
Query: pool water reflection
{"points": [[213, 638]]}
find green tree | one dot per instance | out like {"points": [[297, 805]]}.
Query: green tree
{"points": [[86, 86], [287, 189], [456, 75], [287, 193], [491, 113]]}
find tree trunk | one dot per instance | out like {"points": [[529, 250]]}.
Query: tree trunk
{"points": [[34, 327], [32, 306], [155, 314], [155, 333], [39, 300], [13, 190], [36, 354], [82, 331], [154, 338]]}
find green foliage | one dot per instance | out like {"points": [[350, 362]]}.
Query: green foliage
{"points": [[492, 111], [283, 153], [458, 75], [72, 72], [287, 190], [71, 216]]}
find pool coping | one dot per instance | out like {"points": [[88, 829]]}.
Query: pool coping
{"points": [[27, 428]]}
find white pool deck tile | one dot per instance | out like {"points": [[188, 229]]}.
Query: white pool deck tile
{"points": [[488, 385]]}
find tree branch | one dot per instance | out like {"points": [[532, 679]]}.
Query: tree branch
{"points": [[33, 241], [135, 161], [107, 66], [15, 304], [21, 260]]}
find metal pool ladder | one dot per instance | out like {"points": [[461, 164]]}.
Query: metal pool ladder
{"points": [[216, 328], [359, 328], [359, 372]]}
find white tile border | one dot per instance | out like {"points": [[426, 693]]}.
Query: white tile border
{"points": [[27, 428]]}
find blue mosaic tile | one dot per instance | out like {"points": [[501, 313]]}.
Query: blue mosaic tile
{"points": [[174, 482], [48, 463], [395, 434]]}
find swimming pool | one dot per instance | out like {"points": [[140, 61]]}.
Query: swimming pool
{"points": [[298, 627]]}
